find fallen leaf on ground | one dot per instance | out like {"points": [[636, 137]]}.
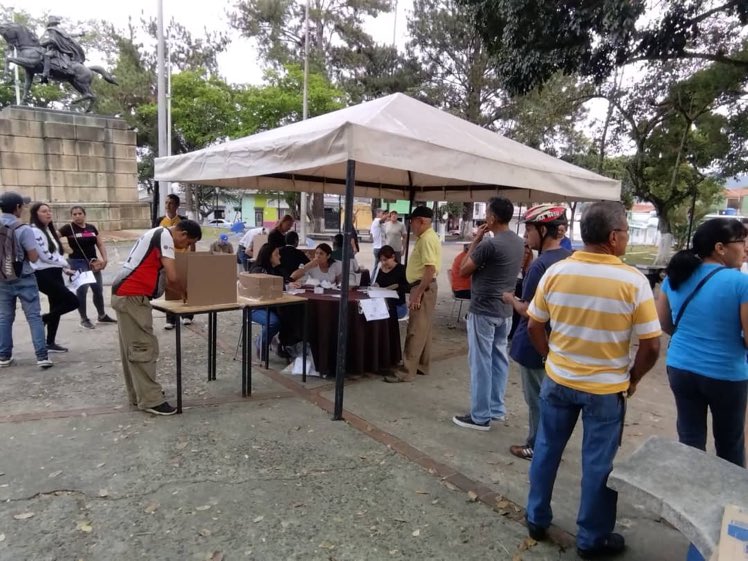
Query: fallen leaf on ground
{"points": [[205, 532], [204, 507], [54, 474], [526, 544], [152, 507], [259, 519], [84, 526], [103, 492], [422, 492], [503, 504], [23, 516], [101, 465], [416, 533], [472, 496], [327, 545]]}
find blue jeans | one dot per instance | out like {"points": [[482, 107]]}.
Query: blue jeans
{"points": [[602, 419], [489, 365], [401, 310], [260, 316], [532, 381], [26, 290]]}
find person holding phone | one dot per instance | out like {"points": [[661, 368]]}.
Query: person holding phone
{"points": [[83, 240]]}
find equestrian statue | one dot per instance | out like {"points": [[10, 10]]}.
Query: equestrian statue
{"points": [[57, 56]]}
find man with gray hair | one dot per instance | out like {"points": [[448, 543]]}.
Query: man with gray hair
{"points": [[596, 304]]}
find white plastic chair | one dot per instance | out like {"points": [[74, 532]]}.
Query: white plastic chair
{"points": [[455, 302]]}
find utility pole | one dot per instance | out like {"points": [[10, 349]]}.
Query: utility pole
{"points": [[305, 112], [163, 132], [15, 66]]}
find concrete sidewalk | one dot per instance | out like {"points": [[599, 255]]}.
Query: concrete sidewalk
{"points": [[272, 477]]}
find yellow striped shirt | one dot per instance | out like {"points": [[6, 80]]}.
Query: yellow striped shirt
{"points": [[595, 304]]}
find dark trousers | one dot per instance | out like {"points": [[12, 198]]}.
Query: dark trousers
{"points": [[694, 394], [96, 289], [515, 316], [171, 318], [462, 294], [61, 300]]}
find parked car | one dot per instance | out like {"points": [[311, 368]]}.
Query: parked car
{"points": [[219, 223]]}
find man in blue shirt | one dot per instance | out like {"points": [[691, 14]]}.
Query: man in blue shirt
{"points": [[20, 284], [543, 225]]}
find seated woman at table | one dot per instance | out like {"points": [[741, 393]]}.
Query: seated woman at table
{"points": [[322, 268], [267, 262], [391, 274]]}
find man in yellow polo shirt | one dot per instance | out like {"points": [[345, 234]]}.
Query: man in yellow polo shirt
{"points": [[596, 305], [423, 267], [172, 218]]}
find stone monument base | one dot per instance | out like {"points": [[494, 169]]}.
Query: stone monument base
{"points": [[66, 159]]}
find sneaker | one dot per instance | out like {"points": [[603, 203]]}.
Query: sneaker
{"points": [[6, 362], [187, 321], [106, 319], [163, 409], [613, 544], [87, 324], [499, 419], [55, 348], [168, 326], [538, 533], [45, 363], [467, 422]]}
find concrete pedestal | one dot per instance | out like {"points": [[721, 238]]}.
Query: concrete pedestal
{"points": [[65, 159]]}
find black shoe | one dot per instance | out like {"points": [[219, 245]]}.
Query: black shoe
{"points": [[87, 324], [467, 422], [163, 409], [106, 319], [55, 348], [538, 533], [613, 544]]}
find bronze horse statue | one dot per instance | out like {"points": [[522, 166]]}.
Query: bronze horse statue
{"points": [[30, 57]]}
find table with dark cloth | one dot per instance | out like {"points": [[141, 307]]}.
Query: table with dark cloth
{"points": [[373, 346]]}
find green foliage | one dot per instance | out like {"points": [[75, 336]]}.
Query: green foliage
{"points": [[532, 40]]}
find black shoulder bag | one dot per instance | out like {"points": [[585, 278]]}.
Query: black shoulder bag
{"points": [[690, 297]]}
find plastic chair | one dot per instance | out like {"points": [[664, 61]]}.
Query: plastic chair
{"points": [[455, 302]]}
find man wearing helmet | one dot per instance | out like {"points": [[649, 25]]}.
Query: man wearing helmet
{"points": [[543, 225], [493, 263]]}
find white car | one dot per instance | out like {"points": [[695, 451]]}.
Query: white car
{"points": [[219, 223]]}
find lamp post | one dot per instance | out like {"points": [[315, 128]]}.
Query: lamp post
{"points": [[163, 132], [305, 113]]}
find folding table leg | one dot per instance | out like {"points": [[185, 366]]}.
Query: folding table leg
{"points": [[246, 361], [178, 335], [303, 342], [267, 337], [214, 344], [211, 348]]}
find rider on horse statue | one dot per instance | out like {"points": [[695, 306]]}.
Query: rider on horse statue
{"points": [[61, 48]]}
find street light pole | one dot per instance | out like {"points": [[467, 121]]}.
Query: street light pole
{"points": [[305, 112], [163, 133]]}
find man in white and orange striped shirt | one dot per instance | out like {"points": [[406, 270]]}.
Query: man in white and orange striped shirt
{"points": [[596, 305]]}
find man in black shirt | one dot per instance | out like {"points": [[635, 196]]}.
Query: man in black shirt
{"points": [[291, 257]]}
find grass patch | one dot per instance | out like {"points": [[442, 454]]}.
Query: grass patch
{"points": [[640, 255]]}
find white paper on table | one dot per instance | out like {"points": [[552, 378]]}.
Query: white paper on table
{"points": [[374, 309], [375, 292], [80, 278]]}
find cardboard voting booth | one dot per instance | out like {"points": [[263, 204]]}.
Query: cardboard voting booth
{"points": [[208, 279]]}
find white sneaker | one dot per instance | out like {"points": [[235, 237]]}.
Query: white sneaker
{"points": [[6, 362], [45, 363], [187, 321], [168, 326]]}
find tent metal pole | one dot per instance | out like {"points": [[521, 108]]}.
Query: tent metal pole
{"points": [[155, 201], [412, 199], [519, 217], [340, 365]]}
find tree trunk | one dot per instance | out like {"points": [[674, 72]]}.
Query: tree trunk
{"points": [[317, 215], [665, 247], [467, 221]]}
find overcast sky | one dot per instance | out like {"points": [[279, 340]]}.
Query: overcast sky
{"points": [[238, 64]]}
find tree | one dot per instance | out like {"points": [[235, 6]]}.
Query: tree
{"points": [[533, 40]]}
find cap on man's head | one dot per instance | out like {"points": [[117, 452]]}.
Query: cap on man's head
{"points": [[423, 212], [10, 201], [224, 237]]}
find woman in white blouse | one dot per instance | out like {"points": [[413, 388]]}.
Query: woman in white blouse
{"points": [[48, 270], [322, 268]]}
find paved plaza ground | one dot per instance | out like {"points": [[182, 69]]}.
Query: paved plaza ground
{"points": [[83, 476]]}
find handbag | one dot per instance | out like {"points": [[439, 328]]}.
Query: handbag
{"points": [[690, 297]]}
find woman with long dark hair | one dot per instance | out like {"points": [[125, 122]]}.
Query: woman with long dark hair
{"points": [[83, 239], [322, 268], [267, 263], [48, 270], [703, 305]]}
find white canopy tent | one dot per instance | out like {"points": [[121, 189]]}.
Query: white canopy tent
{"points": [[397, 143], [391, 148]]}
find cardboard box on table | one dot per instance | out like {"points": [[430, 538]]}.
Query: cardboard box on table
{"points": [[257, 286], [208, 279]]}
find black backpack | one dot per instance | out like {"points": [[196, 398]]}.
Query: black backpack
{"points": [[10, 265]]}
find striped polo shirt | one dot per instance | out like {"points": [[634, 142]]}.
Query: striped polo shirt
{"points": [[596, 304]]}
